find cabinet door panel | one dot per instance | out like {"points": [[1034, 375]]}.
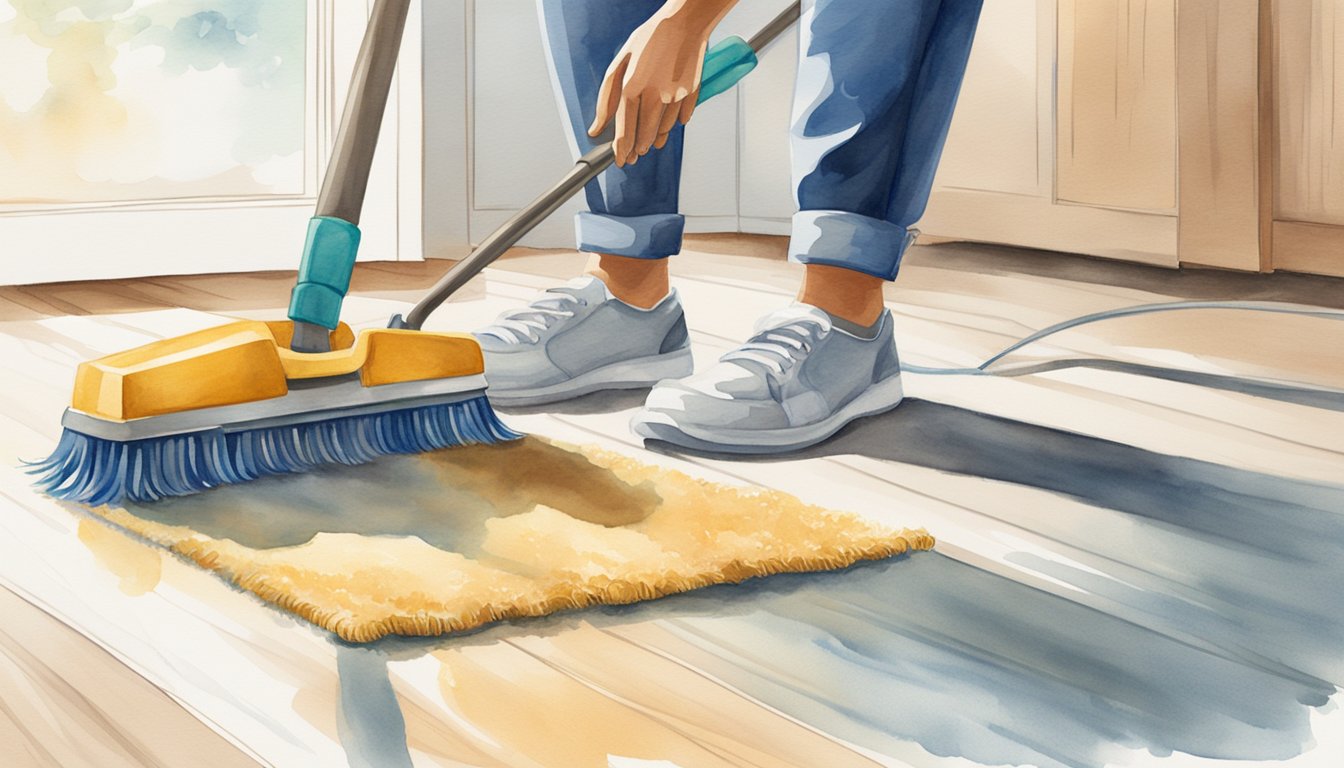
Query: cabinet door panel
{"points": [[1308, 82], [1117, 104], [1028, 163]]}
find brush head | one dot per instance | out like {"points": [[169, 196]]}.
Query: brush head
{"points": [[96, 471], [233, 403]]}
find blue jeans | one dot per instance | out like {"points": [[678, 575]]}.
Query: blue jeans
{"points": [[877, 84]]}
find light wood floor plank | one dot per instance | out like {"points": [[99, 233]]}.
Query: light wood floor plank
{"points": [[692, 703], [64, 702]]}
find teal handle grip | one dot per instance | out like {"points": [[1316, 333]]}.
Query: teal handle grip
{"points": [[726, 63], [324, 274]]}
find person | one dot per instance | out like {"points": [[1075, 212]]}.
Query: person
{"points": [[876, 86]]}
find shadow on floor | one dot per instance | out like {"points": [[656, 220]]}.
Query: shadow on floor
{"points": [[972, 664], [930, 650], [605, 401], [1284, 392], [1249, 509], [1250, 560], [962, 662]]}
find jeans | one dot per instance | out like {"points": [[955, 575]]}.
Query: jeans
{"points": [[877, 84]]}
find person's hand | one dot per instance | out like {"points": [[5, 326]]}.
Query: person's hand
{"points": [[654, 81]]}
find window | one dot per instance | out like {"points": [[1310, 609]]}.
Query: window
{"points": [[178, 136]]}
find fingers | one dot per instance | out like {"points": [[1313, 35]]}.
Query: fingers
{"points": [[679, 112], [651, 113], [609, 95], [665, 126], [643, 120], [688, 107], [670, 117], [627, 123]]}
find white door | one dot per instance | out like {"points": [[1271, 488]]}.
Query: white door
{"points": [[517, 142], [155, 137]]}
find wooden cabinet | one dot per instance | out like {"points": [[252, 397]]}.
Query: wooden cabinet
{"points": [[1065, 131]]}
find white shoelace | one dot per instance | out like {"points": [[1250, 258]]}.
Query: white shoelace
{"points": [[779, 349], [528, 323]]}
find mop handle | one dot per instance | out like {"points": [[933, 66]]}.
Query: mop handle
{"points": [[332, 243], [725, 64]]}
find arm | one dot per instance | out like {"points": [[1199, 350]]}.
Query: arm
{"points": [[655, 79]]}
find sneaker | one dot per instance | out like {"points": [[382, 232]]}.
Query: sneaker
{"points": [[577, 339], [792, 385]]}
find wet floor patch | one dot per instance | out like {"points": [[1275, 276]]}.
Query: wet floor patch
{"points": [[963, 663], [970, 664]]}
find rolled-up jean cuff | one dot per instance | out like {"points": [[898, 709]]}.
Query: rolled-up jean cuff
{"points": [[850, 240], [654, 236]]}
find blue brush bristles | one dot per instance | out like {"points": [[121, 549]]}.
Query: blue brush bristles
{"points": [[96, 471]]}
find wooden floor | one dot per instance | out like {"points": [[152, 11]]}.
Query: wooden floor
{"points": [[1140, 559]]}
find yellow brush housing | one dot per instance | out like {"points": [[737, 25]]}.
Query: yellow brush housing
{"points": [[248, 361]]}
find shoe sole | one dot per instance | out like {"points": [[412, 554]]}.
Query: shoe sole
{"points": [[655, 425], [629, 374]]}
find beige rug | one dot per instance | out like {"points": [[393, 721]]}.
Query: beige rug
{"points": [[450, 541]]}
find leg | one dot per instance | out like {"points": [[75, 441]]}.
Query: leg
{"points": [[845, 293], [876, 88], [632, 223], [620, 327]]}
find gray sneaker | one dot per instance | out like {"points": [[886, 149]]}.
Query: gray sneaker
{"points": [[577, 339], [795, 383]]}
